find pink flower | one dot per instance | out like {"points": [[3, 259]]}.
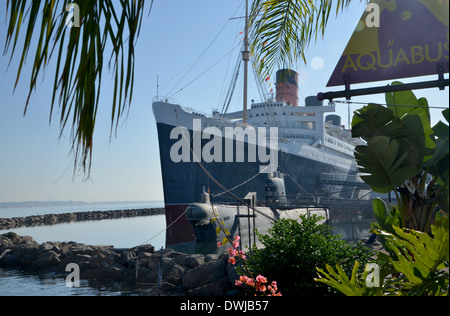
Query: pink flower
{"points": [[261, 288], [242, 255], [274, 285], [219, 244], [237, 238], [250, 282], [261, 279], [232, 252], [236, 244], [232, 260], [242, 280]]}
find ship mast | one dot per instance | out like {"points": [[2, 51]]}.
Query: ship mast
{"points": [[245, 58]]}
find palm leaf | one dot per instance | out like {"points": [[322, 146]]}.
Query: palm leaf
{"points": [[281, 30], [80, 59]]}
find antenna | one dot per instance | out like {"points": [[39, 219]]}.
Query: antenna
{"points": [[245, 58]]}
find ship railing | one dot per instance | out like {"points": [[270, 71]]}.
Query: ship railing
{"points": [[193, 111], [165, 100], [339, 178]]}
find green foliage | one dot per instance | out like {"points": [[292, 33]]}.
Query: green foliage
{"points": [[419, 265], [385, 218], [293, 249], [281, 30], [404, 154], [106, 35]]}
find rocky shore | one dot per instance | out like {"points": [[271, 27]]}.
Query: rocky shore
{"points": [[51, 219], [181, 274]]}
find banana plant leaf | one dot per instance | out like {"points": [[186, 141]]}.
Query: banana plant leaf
{"points": [[396, 145]]}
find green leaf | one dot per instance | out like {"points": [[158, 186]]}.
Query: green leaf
{"points": [[225, 240], [385, 166], [380, 211], [438, 165], [375, 120], [281, 30], [419, 256], [80, 59], [340, 281]]}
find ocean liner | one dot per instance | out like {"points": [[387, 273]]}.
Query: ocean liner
{"points": [[223, 158], [277, 157]]}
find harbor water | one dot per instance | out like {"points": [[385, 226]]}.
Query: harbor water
{"points": [[120, 233]]}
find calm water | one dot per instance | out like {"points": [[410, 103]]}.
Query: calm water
{"points": [[121, 233], [22, 209]]}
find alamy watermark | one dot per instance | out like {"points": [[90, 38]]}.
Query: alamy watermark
{"points": [[73, 278], [258, 142], [373, 18], [73, 17], [373, 275]]}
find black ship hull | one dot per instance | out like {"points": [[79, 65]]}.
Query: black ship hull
{"points": [[183, 183]]}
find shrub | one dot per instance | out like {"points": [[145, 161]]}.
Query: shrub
{"points": [[293, 249]]}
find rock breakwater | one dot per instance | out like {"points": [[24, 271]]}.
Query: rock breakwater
{"points": [[181, 274], [52, 219]]}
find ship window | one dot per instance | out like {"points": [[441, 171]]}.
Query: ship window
{"points": [[307, 125]]}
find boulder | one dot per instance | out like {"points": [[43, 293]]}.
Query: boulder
{"points": [[47, 259], [126, 258], [115, 271], [82, 249], [45, 247], [206, 273], [171, 272], [190, 261], [9, 259], [18, 240], [144, 248]]}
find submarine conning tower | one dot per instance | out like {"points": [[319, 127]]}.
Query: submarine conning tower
{"points": [[287, 86]]}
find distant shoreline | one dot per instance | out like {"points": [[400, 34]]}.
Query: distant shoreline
{"points": [[52, 219], [68, 203]]}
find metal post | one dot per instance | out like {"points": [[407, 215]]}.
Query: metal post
{"points": [[239, 224], [137, 270], [245, 58], [441, 84], [254, 220], [160, 272], [249, 228]]}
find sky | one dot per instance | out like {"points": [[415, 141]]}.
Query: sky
{"points": [[179, 41]]}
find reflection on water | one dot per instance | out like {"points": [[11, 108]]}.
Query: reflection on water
{"points": [[121, 233], [352, 231], [22, 283]]}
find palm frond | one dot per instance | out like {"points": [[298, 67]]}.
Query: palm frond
{"points": [[80, 61], [281, 30]]}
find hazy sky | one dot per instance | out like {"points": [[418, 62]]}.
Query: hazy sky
{"points": [[35, 162]]}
